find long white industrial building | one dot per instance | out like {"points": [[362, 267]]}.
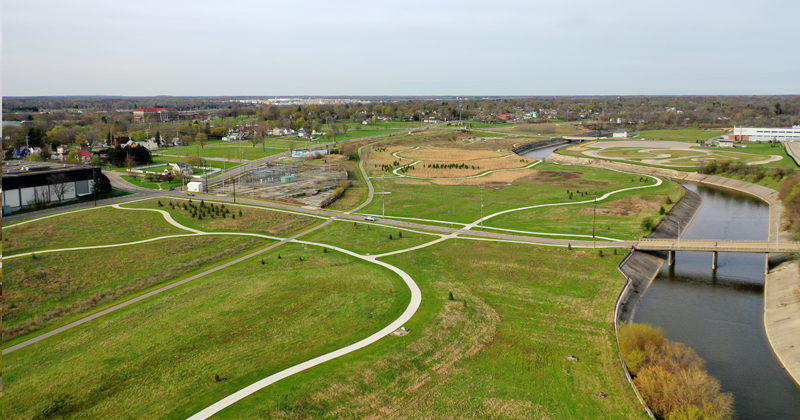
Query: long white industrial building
{"points": [[765, 133]]}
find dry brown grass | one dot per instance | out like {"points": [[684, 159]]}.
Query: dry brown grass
{"points": [[504, 177], [450, 155], [626, 207], [581, 148], [509, 162]]}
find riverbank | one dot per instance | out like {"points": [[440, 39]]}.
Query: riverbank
{"points": [[782, 315], [783, 333]]}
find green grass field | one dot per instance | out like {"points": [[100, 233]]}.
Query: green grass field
{"points": [[50, 288], [683, 134], [86, 228], [367, 239], [462, 203], [501, 355], [252, 220], [158, 358]]}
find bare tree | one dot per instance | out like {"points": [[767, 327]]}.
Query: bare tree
{"points": [[41, 195], [60, 185], [129, 162]]}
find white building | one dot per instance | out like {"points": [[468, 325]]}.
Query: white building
{"points": [[195, 186], [765, 133], [620, 135]]}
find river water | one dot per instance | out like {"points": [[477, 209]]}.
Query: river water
{"points": [[543, 152], [720, 315]]}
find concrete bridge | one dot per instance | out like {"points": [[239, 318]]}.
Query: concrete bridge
{"points": [[672, 245]]}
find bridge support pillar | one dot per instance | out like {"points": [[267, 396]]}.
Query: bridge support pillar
{"points": [[766, 264], [671, 258], [714, 260]]}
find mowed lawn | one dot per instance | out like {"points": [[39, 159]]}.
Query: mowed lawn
{"points": [[47, 289], [365, 238], [237, 219], [159, 358], [425, 200], [619, 216], [99, 226], [498, 350]]}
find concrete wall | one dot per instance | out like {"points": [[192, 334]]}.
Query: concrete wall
{"points": [[539, 145]]}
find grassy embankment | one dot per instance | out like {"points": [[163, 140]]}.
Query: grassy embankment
{"points": [[158, 358], [99, 226], [498, 350], [239, 218], [50, 290]]}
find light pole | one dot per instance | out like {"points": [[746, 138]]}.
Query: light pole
{"points": [[594, 219], [481, 206], [383, 210]]}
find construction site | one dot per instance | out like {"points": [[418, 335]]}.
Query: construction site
{"points": [[295, 182]]}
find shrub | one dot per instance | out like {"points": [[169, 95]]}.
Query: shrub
{"points": [[668, 200], [661, 211], [648, 224]]}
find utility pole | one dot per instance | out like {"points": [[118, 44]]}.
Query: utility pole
{"points": [[594, 219], [383, 211], [205, 169], [94, 186], [481, 206], [234, 190]]}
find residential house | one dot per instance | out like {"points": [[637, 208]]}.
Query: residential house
{"points": [[183, 168]]}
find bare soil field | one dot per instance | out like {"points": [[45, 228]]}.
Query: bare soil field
{"points": [[450, 154], [499, 178]]}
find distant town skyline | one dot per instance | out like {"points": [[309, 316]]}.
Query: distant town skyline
{"points": [[249, 48]]}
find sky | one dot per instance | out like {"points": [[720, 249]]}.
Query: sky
{"points": [[362, 48]]}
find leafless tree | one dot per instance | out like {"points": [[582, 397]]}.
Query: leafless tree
{"points": [[60, 185]]}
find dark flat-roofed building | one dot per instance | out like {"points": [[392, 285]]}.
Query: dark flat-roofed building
{"points": [[36, 184]]}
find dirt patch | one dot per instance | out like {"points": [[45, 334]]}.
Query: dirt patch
{"points": [[582, 147], [499, 178], [450, 154], [625, 208]]}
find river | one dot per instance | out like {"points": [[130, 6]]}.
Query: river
{"points": [[720, 315]]}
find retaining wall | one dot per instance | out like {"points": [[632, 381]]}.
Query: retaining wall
{"points": [[539, 145]]}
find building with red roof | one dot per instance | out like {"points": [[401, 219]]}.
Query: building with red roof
{"points": [[158, 114]]}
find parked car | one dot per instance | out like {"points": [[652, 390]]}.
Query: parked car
{"points": [[172, 188], [370, 218], [190, 194]]}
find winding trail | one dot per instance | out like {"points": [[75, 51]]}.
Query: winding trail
{"points": [[416, 294]]}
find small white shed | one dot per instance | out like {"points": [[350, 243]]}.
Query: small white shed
{"points": [[195, 186]]}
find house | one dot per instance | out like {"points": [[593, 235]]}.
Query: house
{"points": [[151, 144], [122, 142], [63, 149], [177, 141], [183, 168], [97, 145], [302, 133], [725, 143], [620, 135], [85, 156]]}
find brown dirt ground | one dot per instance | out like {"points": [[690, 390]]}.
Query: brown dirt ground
{"points": [[505, 177], [581, 148], [626, 207], [450, 155], [510, 162]]}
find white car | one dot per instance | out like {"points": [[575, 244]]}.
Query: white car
{"points": [[370, 219]]}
